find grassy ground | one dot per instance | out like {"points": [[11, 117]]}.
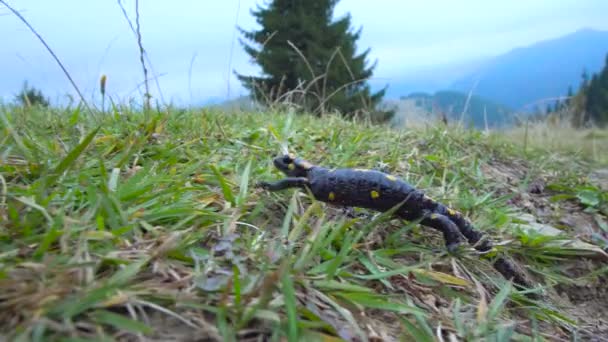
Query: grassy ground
{"points": [[141, 226], [561, 136]]}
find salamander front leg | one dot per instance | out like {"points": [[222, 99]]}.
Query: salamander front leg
{"points": [[286, 183], [450, 230]]}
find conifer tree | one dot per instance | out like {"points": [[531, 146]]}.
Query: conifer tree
{"points": [[569, 95], [30, 96], [590, 104], [584, 78], [558, 105], [596, 97], [301, 49]]}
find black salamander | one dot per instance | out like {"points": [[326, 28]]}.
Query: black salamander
{"points": [[380, 191]]}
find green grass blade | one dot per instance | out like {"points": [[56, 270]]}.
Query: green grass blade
{"points": [[499, 301], [226, 189], [244, 186], [289, 297], [120, 322], [289, 216], [16, 137], [66, 162], [237, 286], [379, 302], [418, 334], [127, 273], [80, 303]]}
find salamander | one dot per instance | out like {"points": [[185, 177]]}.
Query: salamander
{"points": [[381, 191]]}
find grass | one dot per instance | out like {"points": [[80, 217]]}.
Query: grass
{"points": [[130, 225], [553, 135]]}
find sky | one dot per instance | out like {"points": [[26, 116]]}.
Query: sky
{"points": [[193, 44]]}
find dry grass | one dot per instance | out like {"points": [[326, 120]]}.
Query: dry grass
{"points": [[560, 136]]}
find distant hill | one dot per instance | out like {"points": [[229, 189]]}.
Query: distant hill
{"points": [[542, 70], [479, 111], [432, 78]]}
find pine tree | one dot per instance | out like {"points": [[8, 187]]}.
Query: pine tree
{"points": [[302, 51], [593, 96], [30, 96], [591, 102], [557, 106], [596, 94], [569, 95], [585, 79]]}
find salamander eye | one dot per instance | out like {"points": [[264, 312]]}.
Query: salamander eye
{"points": [[287, 159]]}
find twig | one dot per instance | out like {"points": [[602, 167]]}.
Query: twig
{"points": [[65, 71], [167, 312], [340, 88], [466, 103], [303, 91], [252, 79], [160, 91], [142, 82], [331, 59], [137, 31], [352, 76], [155, 79], [141, 58], [312, 72]]}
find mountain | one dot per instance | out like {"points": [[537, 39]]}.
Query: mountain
{"points": [[431, 78], [543, 70], [478, 111]]}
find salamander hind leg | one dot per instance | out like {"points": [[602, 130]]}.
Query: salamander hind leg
{"points": [[450, 231], [474, 236]]}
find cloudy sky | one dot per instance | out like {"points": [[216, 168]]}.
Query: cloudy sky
{"points": [[193, 44]]}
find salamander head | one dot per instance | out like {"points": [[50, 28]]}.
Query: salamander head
{"points": [[292, 166]]}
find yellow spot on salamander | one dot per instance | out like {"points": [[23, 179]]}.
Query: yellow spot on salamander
{"points": [[434, 216], [391, 178], [306, 165], [361, 170], [291, 166], [375, 194], [452, 211], [331, 196]]}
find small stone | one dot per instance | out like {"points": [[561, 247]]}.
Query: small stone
{"points": [[536, 187]]}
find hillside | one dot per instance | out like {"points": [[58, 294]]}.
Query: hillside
{"points": [[429, 79], [479, 112], [540, 71], [137, 226]]}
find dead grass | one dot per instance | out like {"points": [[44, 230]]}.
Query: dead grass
{"points": [[559, 136]]}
